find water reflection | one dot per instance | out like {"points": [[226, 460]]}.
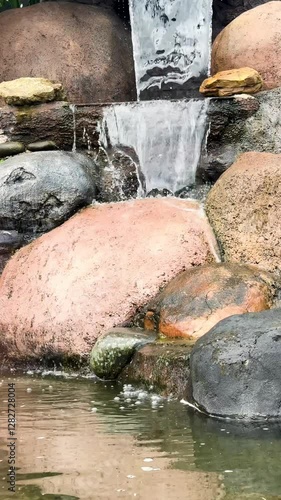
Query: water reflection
{"points": [[82, 439]]}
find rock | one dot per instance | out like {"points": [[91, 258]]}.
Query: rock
{"points": [[236, 367], [195, 300], [86, 48], [230, 82], [54, 122], [9, 242], [244, 208], [237, 125], [42, 146], [159, 192], [25, 91], [11, 148], [225, 11], [39, 191], [165, 365], [58, 294], [252, 39], [118, 176], [114, 350]]}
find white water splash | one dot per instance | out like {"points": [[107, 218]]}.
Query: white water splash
{"points": [[72, 107], [171, 41], [166, 137]]}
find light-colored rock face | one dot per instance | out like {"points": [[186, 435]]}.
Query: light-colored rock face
{"points": [[252, 39], [244, 208], [86, 48], [233, 81], [24, 91], [61, 291], [195, 300]]}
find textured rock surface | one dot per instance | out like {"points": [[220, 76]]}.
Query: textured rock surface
{"points": [[39, 191], [236, 367], [51, 122], [59, 293], [252, 39], [165, 365], [25, 91], [244, 210], [86, 48], [195, 300], [237, 125], [114, 350], [232, 81]]}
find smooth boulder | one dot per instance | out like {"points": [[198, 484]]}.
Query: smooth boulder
{"points": [[244, 208], [39, 191], [61, 292], [195, 300], [115, 349], [252, 39], [231, 82], [236, 367], [87, 48]]}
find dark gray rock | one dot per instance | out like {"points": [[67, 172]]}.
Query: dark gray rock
{"points": [[114, 350], [118, 175], [9, 242], [39, 191], [236, 367], [11, 148], [237, 125]]}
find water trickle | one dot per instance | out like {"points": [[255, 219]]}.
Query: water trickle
{"points": [[171, 42], [166, 137], [72, 107]]}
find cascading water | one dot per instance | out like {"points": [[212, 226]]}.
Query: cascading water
{"points": [[166, 137], [171, 43]]}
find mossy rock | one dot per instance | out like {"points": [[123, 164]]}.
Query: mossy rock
{"points": [[114, 350]]}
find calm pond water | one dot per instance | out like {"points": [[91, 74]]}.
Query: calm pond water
{"points": [[81, 439]]}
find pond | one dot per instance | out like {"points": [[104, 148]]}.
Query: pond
{"points": [[83, 439]]}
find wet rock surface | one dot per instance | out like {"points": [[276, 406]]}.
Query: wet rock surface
{"points": [[236, 367], [195, 300], [163, 364], [62, 291], [39, 191], [114, 350], [9, 242], [244, 210], [11, 148]]}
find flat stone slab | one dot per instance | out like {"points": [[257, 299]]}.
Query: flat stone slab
{"points": [[23, 91]]}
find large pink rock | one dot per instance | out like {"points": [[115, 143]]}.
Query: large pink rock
{"points": [[93, 272]]}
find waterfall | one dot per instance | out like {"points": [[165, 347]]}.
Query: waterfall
{"points": [[165, 136], [171, 43]]}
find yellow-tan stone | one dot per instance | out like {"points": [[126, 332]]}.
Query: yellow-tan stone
{"points": [[231, 82], [24, 91]]}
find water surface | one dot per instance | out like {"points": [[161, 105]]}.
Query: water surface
{"points": [[88, 440]]}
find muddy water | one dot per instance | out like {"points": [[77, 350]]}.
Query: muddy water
{"points": [[79, 439]]}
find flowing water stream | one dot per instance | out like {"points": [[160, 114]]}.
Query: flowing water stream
{"points": [[82, 439]]}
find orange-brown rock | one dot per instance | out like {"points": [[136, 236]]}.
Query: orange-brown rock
{"points": [[252, 39], [85, 47], [231, 82], [244, 208], [195, 300], [60, 292]]}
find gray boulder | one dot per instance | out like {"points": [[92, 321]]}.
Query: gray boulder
{"points": [[236, 367], [39, 191]]}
